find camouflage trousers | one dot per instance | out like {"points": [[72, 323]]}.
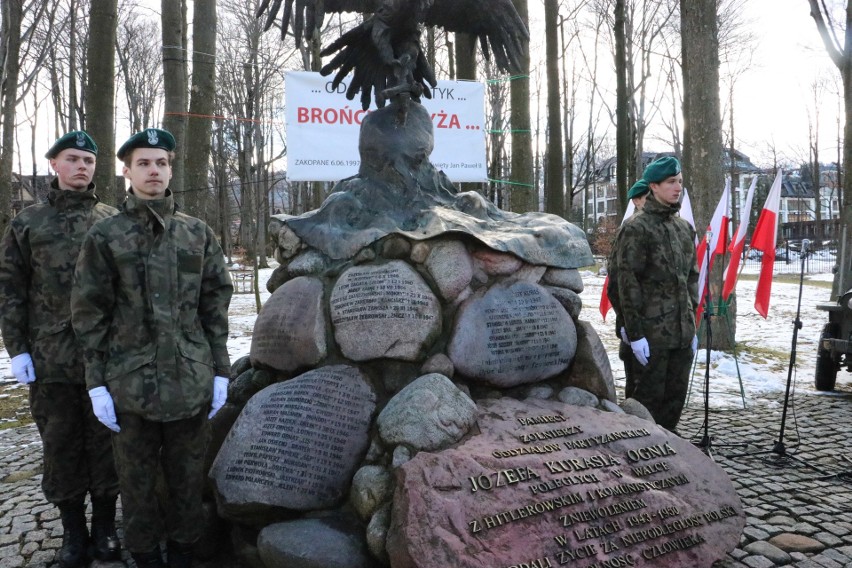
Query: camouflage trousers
{"points": [[625, 353], [173, 452], [76, 447], [661, 385]]}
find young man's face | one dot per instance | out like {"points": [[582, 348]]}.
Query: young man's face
{"points": [[74, 169], [149, 172], [639, 202], [668, 191]]}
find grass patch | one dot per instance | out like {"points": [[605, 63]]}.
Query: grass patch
{"points": [[777, 359], [14, 409]]}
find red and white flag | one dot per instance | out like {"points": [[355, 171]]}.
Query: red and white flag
{"points": [[737, 244], [714, 243], [605, 304], [763, 239], [686, 211]]}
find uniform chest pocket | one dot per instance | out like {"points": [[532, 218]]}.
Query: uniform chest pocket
{"points": [[46, 247], [189, 262]]}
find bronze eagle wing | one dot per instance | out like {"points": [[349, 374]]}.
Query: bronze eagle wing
{"points": [[384, 54]]}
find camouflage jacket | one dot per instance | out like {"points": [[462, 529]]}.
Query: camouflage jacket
{"points": [[657, 276], [612, 280], [150, 304], [37, 257]]}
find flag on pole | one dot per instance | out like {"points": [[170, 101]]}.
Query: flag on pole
{"points": [[713, 244], [605, 304], [763, 239], [737, 244], [686, 211]]}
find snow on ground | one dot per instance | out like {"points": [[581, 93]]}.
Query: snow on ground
{"points": [[763, 354], [763, 346]]}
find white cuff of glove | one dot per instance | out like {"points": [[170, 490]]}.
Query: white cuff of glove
{"points": [[220, 395], [624, 337], [22, 368], [641, 350], [104, 408], [694, 344]]}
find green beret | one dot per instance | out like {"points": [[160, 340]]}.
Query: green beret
{"points": [[76, 139], [638, 189], [148, 138], [661, 169]]}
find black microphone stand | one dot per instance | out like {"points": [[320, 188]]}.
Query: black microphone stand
{"points": [[706, 442], [780, 455]]}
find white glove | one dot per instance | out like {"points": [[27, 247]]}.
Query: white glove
{"points": [[220, 395], [22, 368], [624, 336], [694, 344], [104, 408], [641, 350]]}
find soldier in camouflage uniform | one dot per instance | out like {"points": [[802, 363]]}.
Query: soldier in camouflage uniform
{"points": [[37, 257], [150, 304], [657, 280], [637, 193]]}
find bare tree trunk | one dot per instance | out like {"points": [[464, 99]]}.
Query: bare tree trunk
{"points": [[703, 169], [624, 144], [12, 14], [72, 70], [522, 197], [101, 89], [841, 55], [174, 83], [465, 55], [201, 107], [554, 197]]}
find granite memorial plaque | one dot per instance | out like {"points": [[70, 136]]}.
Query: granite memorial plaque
{"points": [[384, 310], [290, 331], [516, 333], [547, 484], [296, 444]]}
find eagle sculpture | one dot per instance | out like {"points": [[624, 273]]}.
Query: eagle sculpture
{"points": [[384, 52]]}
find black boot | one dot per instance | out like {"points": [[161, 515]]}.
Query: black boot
{"points": [[151, 559], [105, 543], [179, 554], [75, 536]]}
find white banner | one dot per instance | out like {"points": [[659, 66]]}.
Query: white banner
{"points": [[323, 127]]}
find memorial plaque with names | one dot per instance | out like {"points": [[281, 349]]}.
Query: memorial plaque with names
{"points": [[516, 333], [290, 331], [547, 484], [384, 310], [296, 444]]}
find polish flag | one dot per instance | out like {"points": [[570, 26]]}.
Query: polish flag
{"points": [[686, 211], [714, 243], [605, 304], [763, 239], [736, 248]]}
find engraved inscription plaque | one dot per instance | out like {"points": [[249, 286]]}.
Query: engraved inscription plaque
{"points": [[297, 444], [514, 334], [384, 311], [547, 484]]}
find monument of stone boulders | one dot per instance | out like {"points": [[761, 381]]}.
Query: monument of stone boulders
{"points": [[423, 392]]}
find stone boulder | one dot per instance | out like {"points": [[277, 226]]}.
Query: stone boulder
{"points": [[295, 446], [290, 331], [384, 311], [548, 484], [428, 414], [515, 333]]}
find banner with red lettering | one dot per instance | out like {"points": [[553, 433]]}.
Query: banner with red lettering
{"points": [[322, 129]]}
